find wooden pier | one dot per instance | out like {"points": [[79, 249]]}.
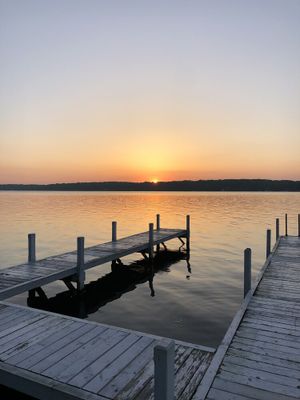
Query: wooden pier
{"points": [[53, 356], [259, 357], [70, 267]]}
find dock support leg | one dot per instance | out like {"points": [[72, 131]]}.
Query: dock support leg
{"points": [[247, 271], [69, 285], [299, 225], [164, 371], [80, 264], [286, 224], [277, 229], [268, 243]]}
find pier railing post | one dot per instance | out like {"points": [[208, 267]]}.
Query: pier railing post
{"points": [[164, 371], [80, 263], [114, 231], [247, 271], [158, 222], [286, 224], [188, 232], [277, 229], [151, 241], [31, 248], [268, 243], [31, 258]]}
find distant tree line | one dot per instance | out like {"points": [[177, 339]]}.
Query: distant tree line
{"points": [[240, 185]]}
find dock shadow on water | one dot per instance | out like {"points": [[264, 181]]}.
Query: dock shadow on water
{"points": [[123, 279]]}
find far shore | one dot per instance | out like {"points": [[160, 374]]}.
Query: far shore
{"points": [[220, 185]]}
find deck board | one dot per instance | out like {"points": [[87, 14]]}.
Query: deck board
{"points": [[87, 360], [262, 358]]}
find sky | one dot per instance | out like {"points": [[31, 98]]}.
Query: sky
{"points": [[94, 90]]}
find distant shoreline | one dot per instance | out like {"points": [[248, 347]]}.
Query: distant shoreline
{"points": [[222, 185]]}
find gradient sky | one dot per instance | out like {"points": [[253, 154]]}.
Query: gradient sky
{"points": [[137, 90]]}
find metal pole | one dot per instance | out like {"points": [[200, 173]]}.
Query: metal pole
{"points": [[114, 231], [299, 225], [151, 240], [188, 232], [286, 224], [268, 243], [164, 371], [31, 248], [158, 222], [80, 263], [247, 271], [277, 229]]}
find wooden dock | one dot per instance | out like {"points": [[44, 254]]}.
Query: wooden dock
{"points": [[48, 355], [70, 267], [51, 356], [259, 357]]}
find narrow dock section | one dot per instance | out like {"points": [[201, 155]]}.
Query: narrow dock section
{"points": [[259, 357], [51, 356], [71, 266]]}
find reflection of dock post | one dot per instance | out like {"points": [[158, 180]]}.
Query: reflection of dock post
{"points": [[299, 225], [31, 258], [80, 264], [247, 271], [151, 241], [157, 228], [277, 229], [188, 233]]}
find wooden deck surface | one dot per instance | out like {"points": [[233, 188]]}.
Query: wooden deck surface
{"points": [[18, 279], [52, 356], [259, 357]]}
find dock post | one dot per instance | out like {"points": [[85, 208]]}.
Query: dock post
{"points": [[114, 231], [286, 224], [31, 258], [299, 225], [164, 371], [277, 229], [151, 241], [80, 264], [157, 228], [247, 271], [188, 232], [268, 243], [158, 222], [31, 248], [113, 239]]}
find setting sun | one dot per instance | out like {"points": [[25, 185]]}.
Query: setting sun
{"points": [[154, 180]]}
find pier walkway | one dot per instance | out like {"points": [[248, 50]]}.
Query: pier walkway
{"points": [[259, 357], [51, 356], [71, 266]]}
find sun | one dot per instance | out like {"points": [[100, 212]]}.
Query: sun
{"points": [[154, 180]]}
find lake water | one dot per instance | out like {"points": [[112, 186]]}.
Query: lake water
{"points": [[195, 306]]}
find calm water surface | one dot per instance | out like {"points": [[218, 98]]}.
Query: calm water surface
{"points": [[194, 306]]}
